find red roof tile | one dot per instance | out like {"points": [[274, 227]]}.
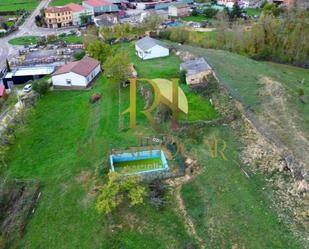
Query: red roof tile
{"points": [[52, 9], [75, 7], [83, 67], [97, 3]]}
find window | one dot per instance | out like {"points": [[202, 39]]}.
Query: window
{"points": [[69, 82]]}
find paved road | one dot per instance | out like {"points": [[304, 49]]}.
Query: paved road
{"points": [[27, 28]]}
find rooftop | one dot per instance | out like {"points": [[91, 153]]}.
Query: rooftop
{"points": [[33, 70], [195, 66], [82, 67], [148, 42], [56, 9], [75, 7], [97, 3]]}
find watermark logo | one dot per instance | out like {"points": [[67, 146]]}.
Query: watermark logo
{"points": [[216, 147], [165, 91]]}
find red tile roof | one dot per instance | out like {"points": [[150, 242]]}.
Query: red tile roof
{"points": [[83, 67], [52, 9], [2, 90], [75, 7], [97, 3]]}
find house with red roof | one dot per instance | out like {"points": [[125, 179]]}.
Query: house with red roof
{"points": [[3, 93], [78, 11], [99, 7], [76, 74]]}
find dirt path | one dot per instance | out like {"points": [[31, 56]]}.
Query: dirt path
{"points": [[177, 183]]}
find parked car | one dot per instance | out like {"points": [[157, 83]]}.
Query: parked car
{"points": [[27, 88]]}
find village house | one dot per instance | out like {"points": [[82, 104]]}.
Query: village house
{"points": [[149, 48], [179, 10], [76, 74], [227, 3], [99, 7], [78, 12], [197, 71], [57, 17]]}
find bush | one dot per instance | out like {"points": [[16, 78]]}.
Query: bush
{"points": [[157, 193], [194, 13], [210, 12], [301, 92], [79, 55], [40, 86], [182, 77]]}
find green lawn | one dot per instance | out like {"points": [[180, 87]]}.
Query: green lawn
{"points": [[7, 5], [24, 40], [30, 40], [198, 18], [253, 12], [63, 2]]}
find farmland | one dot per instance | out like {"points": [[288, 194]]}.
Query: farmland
{"points": [[64, 145], [7, 5], [63, 2]]}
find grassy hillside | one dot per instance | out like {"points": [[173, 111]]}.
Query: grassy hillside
{"points": [[64, 145]]}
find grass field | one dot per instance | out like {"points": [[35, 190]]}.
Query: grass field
{"points": [[7, 5], [198, 18], [64, 145], [30, 40], [63, 2], [253, 12]]}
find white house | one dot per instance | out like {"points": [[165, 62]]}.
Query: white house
{"points": [[77, 74], [149, 48]]}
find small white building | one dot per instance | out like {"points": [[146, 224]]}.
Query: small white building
{"points": [[77, 74], [149, 48]]}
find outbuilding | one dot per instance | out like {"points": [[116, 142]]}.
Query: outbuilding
{"points": [[22, 75], [149, 48], [197, 71], [76, 74]]}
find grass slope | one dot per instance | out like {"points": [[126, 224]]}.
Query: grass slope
{"points": [[30, 40], [228, 209], [67, 138], [8, 5]]}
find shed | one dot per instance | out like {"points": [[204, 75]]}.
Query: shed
{"points": [[149, 48], [197, 71]]}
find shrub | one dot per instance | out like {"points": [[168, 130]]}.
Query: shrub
{"points": [[79, 55], [40, 86], [301, 92], [157, 193], [210, 12], [118, 189], [182, 77]]}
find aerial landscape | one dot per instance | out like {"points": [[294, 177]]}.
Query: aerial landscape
{"points": [[140, 124]]}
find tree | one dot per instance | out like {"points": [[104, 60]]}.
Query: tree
{"points": [[8, 68], [117, 67], [40, 86], [271, 9], [236, 11], [116, 190], [152, 22], [210, 12], [99, 50], [4, 25]]}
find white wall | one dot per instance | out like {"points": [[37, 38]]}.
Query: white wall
{"points": [[155, 52], [76, 80]]}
